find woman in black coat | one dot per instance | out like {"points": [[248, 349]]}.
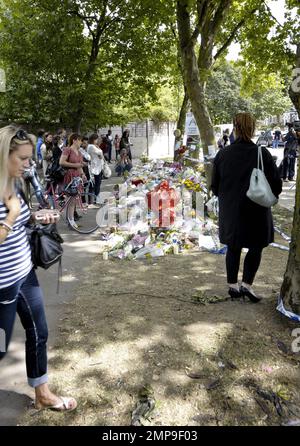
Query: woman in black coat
{"points": [[243, 223]]}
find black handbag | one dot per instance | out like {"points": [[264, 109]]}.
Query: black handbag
{"points": [[55, 171], [45, 243]]}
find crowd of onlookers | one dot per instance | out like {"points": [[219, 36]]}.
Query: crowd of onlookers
{"points": [[290, 141], [49, 145], [62, 157]]}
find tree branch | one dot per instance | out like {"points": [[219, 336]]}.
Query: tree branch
{"points": [[270, 12], [183, 24], [84, 18], [116, 7], [213, 18], [201, 11], [219, 16], [233, 34]]}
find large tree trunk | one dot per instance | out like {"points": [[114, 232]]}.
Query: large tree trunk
{"points": [[77, 121], [290, 290], [195, 88], [96, 43]]}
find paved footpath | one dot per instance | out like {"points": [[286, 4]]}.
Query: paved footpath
{"points": [[79, 250]]}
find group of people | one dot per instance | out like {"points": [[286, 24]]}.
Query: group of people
{"points": [[291, 143], [119, 143], [63, 158], [226, 139], [290, 153]]}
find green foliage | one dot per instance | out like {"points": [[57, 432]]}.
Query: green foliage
{"points": [[226, 95], [268, 48], [81, 62], [272, 102], [223, 93]]}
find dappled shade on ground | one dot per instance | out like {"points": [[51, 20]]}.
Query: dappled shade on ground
{"points": [[145, 323]]}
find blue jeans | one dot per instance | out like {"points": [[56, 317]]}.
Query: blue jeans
{"points": [[25, 298], [275, 143], [121, 169]]}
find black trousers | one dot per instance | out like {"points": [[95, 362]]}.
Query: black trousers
{"points": [[251, 264], [98, 181], [288, 167]]}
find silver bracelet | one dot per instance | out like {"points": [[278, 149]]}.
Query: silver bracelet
{"points": [[6, 225]]}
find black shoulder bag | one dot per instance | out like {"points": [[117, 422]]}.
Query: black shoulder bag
{"points": [[45, 243]]}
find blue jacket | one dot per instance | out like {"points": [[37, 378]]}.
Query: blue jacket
{"points": [[38, 148]]}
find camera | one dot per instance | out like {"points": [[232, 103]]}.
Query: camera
{"points": [[296, 125]]}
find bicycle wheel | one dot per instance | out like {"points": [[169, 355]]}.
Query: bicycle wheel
{"points": [[85, 214]]}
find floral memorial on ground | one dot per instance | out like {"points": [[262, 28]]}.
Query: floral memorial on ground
{"points": [[161, 208]]}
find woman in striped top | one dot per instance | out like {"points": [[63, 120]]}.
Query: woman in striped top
{"points": [[19, 288]]}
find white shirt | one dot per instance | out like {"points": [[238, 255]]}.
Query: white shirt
{"points": [[97, 159]]}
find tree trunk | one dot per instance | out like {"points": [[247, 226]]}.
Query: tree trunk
{"points": [[96, 42], [77, 118], [290, 290], [197, 97], [191, 75], [195, 91], [183, 112]]}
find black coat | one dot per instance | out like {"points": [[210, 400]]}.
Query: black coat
{"points": [[243, 223]]}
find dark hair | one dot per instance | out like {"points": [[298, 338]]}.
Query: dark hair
{"points": [[244, 124], [93, 137], [56, 140], [85, 138], [73, 137], [40, 133]]}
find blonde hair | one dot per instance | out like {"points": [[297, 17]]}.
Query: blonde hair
{"points": [[9, 143], [244, 124]]}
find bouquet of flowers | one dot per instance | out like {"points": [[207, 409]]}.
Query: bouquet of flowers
{"points": [[144, 158], [193, 184]]}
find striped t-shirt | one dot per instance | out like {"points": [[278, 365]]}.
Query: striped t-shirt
{"points": [[15, 253]]}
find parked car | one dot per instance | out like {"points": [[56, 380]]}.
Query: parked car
{"points": [[265, 139]]}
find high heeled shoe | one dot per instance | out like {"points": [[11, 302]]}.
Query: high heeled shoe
{"points": [[234, 293], [245, 292]]}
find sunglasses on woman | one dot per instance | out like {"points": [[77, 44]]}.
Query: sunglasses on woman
{"points": [[21, 135]]}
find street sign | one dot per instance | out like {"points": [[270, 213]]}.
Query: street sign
{"points": [[191, 128]]}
